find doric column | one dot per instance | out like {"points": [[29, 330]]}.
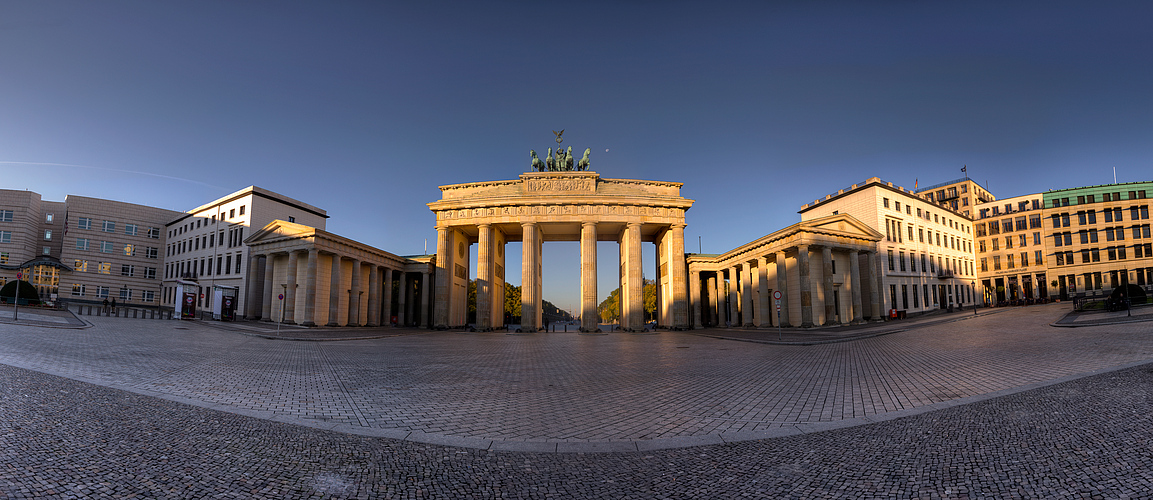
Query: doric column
{"points": [[290, 291], [806, 286], [334, 292], [529, 306], [424, 286], [373, 295], [252, 288], [734, 297], [634, 298], [711, 287], [402, 299], [695, 297], [855, 282], [746, 295], [678, 280], [354, 295], [722, 302], [442, 312], [782, 285], [310, 288], [589, 317], [386, 300], [484, 282], [764, 315], [827, 271], [266, 304], [874, 287]]}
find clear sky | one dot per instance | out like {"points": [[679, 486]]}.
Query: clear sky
{"points": [[364, 108]]}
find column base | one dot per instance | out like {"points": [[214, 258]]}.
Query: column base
{"points": [[586, 330], [748, 325], [331, 323], [353, 325], [371, 324], [806, 325], [308, 323]]}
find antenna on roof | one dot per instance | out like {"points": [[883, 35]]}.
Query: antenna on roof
{"points": [[1114, 174]]}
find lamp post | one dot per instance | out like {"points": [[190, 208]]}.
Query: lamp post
{"points": [[973, 287], [283, 286]]}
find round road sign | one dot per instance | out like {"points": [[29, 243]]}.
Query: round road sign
{"points": [[281, 296], [777, 294]]}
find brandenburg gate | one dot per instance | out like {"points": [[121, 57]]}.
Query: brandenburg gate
{"points": [[558, 206]]}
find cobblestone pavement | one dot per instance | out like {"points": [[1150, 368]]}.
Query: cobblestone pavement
{"points": [[1086, 438], [569, 392]]}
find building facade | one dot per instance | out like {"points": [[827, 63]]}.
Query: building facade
{"points": [[960, 196], [925, 255], [83, 249], [1098, 238], [205, 246], [1012, 250]]}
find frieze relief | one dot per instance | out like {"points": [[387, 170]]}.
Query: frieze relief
{"points": [[560, 185], [470, 215]]}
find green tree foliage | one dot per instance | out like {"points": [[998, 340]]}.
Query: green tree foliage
{"points": [[610, 308], [27, 292], [512, 300]]}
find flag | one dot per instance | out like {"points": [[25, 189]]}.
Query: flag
{"points": [[965, 168], [915, 181]]}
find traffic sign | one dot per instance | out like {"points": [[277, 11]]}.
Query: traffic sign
{"points": [[19, 276], [281, 296], [778, 305], [777, 295]]}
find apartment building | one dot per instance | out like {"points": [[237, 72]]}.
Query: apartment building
{"points": [[1011, 250], [1098, 238], [82, 249], [960, 195], [925, 259], [206, 249]]}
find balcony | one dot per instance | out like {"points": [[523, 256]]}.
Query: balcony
{"points": [[944, 274]]}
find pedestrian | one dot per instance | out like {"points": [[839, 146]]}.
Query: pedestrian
{"points": [[113, 304], [105, 305]]}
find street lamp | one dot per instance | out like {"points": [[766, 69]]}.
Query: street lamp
{"points": [[973, 287]]}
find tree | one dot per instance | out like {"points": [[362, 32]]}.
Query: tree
{"points": [[610, 308], [27, 292]]}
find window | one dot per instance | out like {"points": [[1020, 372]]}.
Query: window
{"points": [[102, 292], [891, 267], [1009, 261], [125, 294], [242, 210], [106, 247], [902, 260], [82, 243], [130, 250], [885, 201], [154, 233], [151, 252], [77, 290], [996, 262], [150, 273], [984, 265], [232, 213], [1024, 240], [1092, 236], [896, 205], [227, 263], [1038, 257], [130, 229], [1096, 254], [1060, 258], [127, 270], [996, 244], [981, 246], [46, 250], [1024, 259], [5, 236], [913, 262], [6, 216], [147, 296], [1081, 218], [81, 266], [239, 260], [923, 263], [1008, 242], [291, 219], [1065, 220], [1084, 236], [105, 268], [109, 226]]}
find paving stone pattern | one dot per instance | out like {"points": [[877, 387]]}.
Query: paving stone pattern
{"points": [[1087, 438], [569, 388]]}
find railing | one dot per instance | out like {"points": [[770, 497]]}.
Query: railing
{"points": [[944, 274]]}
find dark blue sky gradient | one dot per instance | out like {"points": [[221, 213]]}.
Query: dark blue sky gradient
{"points": [[364, 108]]}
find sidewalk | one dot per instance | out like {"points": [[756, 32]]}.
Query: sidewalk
{"points": [[1137, 313], [37, 316]]}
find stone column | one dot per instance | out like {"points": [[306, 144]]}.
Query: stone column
{"points": [[354, 295], [266, 304], [590, 320], [734, 297], [722, 303], [711, 287], [373, 295], [401, 298], [424, 277], [679, 280], [442, 313], [746, 295], [310, 288], [290, 291], [827, 271], [386, 305], [806, 286], [634, 298], [695, 297], [334, 292], [529, 306], [252, 288], [874, 288], [484, 282], [855, 282], [782, 285], [764, 310]]}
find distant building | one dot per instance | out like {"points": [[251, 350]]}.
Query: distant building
{"points": [[206, 244], [959, 195], [1098, 238], [1012, 249], [925, 258], [83, 249]]}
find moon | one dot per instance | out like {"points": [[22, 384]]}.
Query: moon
{"points": [[606, 150]]}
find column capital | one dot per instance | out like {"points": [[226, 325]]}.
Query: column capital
{"points": [[677, 225], [588, 223]]}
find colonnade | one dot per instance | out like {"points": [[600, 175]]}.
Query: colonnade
{"points": [[332, 290]]}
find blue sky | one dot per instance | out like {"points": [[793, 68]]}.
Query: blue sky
{"points": [[364, 108]]}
